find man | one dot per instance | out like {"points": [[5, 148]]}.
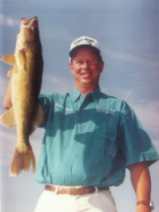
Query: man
{"points": [[90, 139]]}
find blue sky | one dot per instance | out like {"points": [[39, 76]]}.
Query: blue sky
{"points": [[128, 33]]}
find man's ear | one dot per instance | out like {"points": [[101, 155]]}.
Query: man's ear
{"points": [[70, 65], [101, 66]]}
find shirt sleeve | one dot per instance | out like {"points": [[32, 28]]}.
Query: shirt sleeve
{"points": [[136, 145], [45, 102]]}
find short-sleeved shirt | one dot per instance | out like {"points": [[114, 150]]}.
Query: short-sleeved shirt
{"points": [[90, 140]]}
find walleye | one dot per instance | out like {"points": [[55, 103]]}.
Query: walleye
{"points": [[25, 84]]}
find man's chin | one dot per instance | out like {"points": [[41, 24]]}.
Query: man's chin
{"points": [[87, 80]]}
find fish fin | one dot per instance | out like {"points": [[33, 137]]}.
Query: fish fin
{"points": [[22, 161], [39, 117], [7, 118], [8, 58], [21, 61]]}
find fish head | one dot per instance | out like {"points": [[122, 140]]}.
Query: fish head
{"points": [[28, 32]]}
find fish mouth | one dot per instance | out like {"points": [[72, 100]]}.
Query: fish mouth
{"points": [[27, 32], [30, 23]]}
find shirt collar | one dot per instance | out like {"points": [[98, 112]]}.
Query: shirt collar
{"points": [[75, 95]]}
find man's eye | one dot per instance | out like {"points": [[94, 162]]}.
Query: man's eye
{"points": [[79, 62]]}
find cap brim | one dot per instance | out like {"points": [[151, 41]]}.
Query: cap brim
{"points": [[73, 51]]}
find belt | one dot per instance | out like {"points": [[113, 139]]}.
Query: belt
{"points": [[74, 190]]}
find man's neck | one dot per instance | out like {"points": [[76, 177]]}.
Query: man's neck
{"points": [[87, 89]]}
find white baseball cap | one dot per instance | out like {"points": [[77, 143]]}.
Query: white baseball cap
{"points": [[84, 41]]}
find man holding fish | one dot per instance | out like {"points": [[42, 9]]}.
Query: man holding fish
{"points": [[90, 139]]}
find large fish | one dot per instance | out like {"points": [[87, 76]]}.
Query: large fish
{"points": [[25, 84]]}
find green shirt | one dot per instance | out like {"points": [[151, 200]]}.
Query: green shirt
{"points": [[90, 140]]}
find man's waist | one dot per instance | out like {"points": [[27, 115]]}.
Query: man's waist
{"points": [[74, 190]]}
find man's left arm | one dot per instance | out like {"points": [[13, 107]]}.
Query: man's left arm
{"points": [[141, 181]]}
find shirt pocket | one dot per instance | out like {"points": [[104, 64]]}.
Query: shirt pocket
{"points": [[107, 123], [110, 148], [107, 132]]}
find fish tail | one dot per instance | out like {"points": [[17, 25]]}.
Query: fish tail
{"points": [[22, 161]]}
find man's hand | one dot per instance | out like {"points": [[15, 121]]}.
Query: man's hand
{"points": [[7, 103], [143, 208]]}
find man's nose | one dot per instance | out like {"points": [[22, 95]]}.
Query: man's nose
{"points": [[85, 64]]}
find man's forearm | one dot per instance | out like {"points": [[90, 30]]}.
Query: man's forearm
{"points": [[141, 181]]}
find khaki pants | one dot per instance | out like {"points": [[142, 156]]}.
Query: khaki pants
{"points": [[99, 201]]}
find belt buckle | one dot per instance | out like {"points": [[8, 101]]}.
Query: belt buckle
{"points": [[96, 189], [56, 189]]}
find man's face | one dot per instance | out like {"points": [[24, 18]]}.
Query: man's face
{"points": [[86, 67]]}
